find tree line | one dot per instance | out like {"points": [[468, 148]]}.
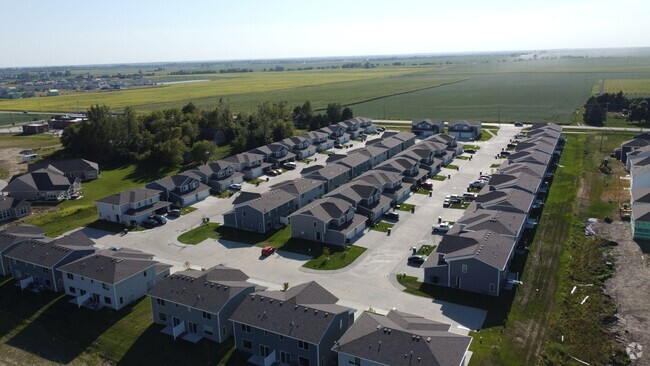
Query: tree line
{"points": [[596, 108], [175, 136]]}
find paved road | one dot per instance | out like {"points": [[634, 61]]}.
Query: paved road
{"points": [[369, 282]]}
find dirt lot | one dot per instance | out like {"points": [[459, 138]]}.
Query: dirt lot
{"points": [[630, 286], [11, 162]]}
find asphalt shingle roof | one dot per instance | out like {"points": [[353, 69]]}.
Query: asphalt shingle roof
{"points": [[130, 196], [48, 254], [111, 266]]}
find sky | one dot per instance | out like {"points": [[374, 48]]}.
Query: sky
{"points": [[82, 32]]}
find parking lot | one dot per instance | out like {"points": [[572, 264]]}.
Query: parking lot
{"points": [[370, 280]]}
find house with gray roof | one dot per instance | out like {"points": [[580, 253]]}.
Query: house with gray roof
{"points": [[440, 151], [334, 175], [198, 304], [425, 157], [294, 327], [450, 141], [351, 128], [12, 208], [535, 170], [366, 199], [337, 133], [427, 127], [12, 236], [300, 145], [401, 339], [262, 214], [113, 278], [43, 185], [530, 157], [328, 220], [475, 261], [640, 221], [376, 154], [131, 207], [249, 164], [321, 140], [358, 164], [408, 168], [464, 130], [507, 199], [523, 181], [35, 263], [181, 189], [365, 124], [306, 190], [407, 138], [218, 175], [508, 224], [392, 146], [390, 183], [539, 144], [71, 168], [275, 153]]}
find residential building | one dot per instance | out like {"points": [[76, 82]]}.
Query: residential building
{"points": [[306, 190], [262, 214], [507, 199], [336, 133], [132, 207], [376, 154], [275, 153], [334, 175], [218, 175], [300, 145], [43, 185], [366, 199], [320, 140], [327, 220], [111, 278], [198, 304], [358, 164], [12, 236], [181, 189], [464, 130], [401, 339], [12, 209], [35, 128], [249, 164], [389, 182], [35, 263], [295, 327], [71, 168], [427, 127]]}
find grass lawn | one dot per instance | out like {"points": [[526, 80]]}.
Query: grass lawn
{"points": [[188, 209], [337, 259], [256, 181], [382, 226], [459, 206], [406, 207], [485, 135], [495, 165], [277, 238], [199, 234], [18, 140], [452, 167], [439, 177], [9, 119], [423, 191], [72, 214], [473, 190], [470, 146], [462, 157], [426, 249]]}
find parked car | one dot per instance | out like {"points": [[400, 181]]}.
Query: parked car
{"points": [[289, 165], [392, 215], [470, 151], [446, 203], [519, 136], [477, 184], [272, 172], [469, 196], [381, 129], [504, 153], [235, 186], [519, 124], [442, 227], [276, 171], [485, 178], [454, 198], [330, 153], [151, 223], [268, 250], [160, 218], [338, 146], [427, 185], [174, 213], [511, 146], [417, 259]]}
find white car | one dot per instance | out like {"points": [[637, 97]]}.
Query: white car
{"points": [[443, 227], [235, 186]]}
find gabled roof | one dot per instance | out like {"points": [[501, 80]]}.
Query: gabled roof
{"points": [[270, 200], [331, 171], [49, 253], [508, 199], [403, 339], [403, 136], [316, 135], [40, 180], [245, 157], [641, 213], [207, 290], [463, 122], [325, 209], [484, 245], [111, 266], [15, 234], [520, 180], [380, 178], [353, 160], [7, 202], [132, 195], [369, 150], [640, 195], [509, 167], [174, 181], [303, 312], [65, 166], [500, 222], [300, 185], [354, 191], [432, 145], [428, 121], [530, 156]]}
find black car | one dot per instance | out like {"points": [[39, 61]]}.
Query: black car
{"points": [[519, 124], [159, 219], [174, 213], [470, 151], [150, 223], [417, 259], [392, 215]]}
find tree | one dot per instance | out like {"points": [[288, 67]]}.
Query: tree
{"points": [[594, 114], [346, 114], [203, 151], [170, 152], [333, 112], [189, 108]]}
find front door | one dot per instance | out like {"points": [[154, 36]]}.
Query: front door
{"points": [[175, 321], [95, 297], [192, 327]]}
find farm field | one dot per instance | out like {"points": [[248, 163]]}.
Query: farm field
{"points": [[627, 86], [7, 119]]}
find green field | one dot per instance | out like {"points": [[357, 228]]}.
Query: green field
{"points": [[627, 86], [485, 87], [9, 140], [8, 119]]}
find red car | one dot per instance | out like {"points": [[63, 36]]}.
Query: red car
{"points": [[268, 250], [427, 185]]}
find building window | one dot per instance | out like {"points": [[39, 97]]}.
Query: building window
{"points": [[207, 315], [266, 332], [302, 361], [285, 357], [144, 273], [121, 300], [493, 288], [463, 268], [341, 324], [224, 330], [245, 328], [162, 317], [281, 337], [207, 329], [72, 290], [303, 345], [107, 300], [264, 350], [355, 361], [247, 344], [160, 302], [70, 276]]}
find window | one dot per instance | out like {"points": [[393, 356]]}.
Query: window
{"points": [[303, 361], [264, 350], [266, 332], [104, 286], [72, 290], [207, 315], [208, 329], [224, 330], [160, 302], [246, 344], [464, 268], [493, 287], [46, 270], [281, 337], [121, 300], [70, 276], [245, 328], [303, 345], [285, 357], [144, 273], [162, 317]]}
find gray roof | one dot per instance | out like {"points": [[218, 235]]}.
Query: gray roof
{"points": [[245, 157], [484, 245], [66, 166], [49, 253], [353, 160], [354, 191], [500, 222], [207, 290], [325, 209], [508, 167], [403, 136], [300, 185], [271, 200], [7, 202], [431, 122], [520, 180], [10, 237], [403, 339], [508, 199], [463, 122], [640, 195], [174, 181], [40, 180], [331, 171], [369, 150], [316, 135], [130, 196], [303, 312], [441, 137], [380, 178], [25, 230], [641, 213], [111, 266], [530, 156]]}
